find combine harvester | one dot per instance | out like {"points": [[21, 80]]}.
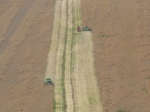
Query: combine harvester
{"points": [[48, 81], [84, 29]]}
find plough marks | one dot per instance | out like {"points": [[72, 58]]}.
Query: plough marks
{"points": [[70, 62]]}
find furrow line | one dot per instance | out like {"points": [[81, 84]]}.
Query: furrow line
{"points": [[68, 77], [59, 89]]}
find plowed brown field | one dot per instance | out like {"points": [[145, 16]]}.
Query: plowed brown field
{"points": [[25, 30]]}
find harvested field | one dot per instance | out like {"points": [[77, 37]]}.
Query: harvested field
{"points": [[70, 62]]}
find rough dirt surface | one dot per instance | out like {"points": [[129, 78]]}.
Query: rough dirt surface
{"points": [[25, 30], [122, 51]]}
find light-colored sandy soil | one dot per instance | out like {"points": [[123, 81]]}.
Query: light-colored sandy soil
{"points": [[122, 51], [25, 30]]}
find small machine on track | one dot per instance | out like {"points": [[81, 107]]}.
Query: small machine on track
{"points": [[86, 29], [78, 29], [48, 81]]}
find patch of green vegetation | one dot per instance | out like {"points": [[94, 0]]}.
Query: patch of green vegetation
{"points": [[60, 104], [144, 35], [141, 35], [54, 106], [121, 111], [72, 46], [73, 58], [99, 44], [131, 36], [72, 79], [104, 35], [145, 90], [76, 18], [92, 100], [148, 77]]}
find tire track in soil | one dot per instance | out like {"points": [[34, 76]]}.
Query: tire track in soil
{"points": [[124, 35], [68, 77], [59, 90]]}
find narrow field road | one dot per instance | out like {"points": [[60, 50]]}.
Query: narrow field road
{"points": [[70, 62]]}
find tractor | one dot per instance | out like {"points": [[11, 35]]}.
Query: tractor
{"points": [[48, 81], [86, 29], [78, 29]]}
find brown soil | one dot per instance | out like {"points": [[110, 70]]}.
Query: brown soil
{"points": [[25, 30], [122, 51]]}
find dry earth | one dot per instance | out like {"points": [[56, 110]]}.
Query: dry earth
{"points": [[25, 30], [121, 30]]}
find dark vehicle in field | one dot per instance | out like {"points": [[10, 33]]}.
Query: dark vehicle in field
{"points": [[86, 29], [78, 29], [48, 81]]}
